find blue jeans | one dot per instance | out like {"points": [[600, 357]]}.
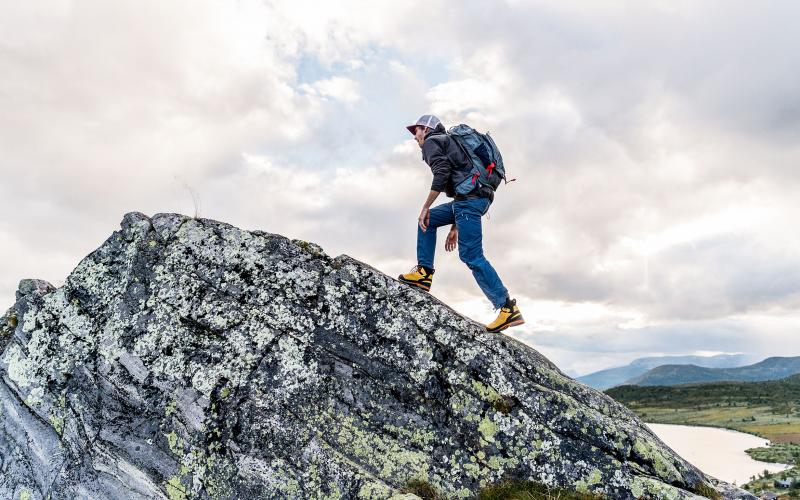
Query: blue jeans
{"points": [[466, 214]]}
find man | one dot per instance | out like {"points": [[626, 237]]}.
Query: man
{"points": [[446, 160]]}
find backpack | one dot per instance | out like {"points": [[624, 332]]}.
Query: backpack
{"points": [[487, 163]]}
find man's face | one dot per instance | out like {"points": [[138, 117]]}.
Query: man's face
{"points": [[419, 134]]}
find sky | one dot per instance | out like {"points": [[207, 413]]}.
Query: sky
{"points": [[655, 147]]}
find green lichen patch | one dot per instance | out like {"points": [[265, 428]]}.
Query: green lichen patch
{"points": [[488, 429], [419, 437], [501, 404], [176, 489], [663, 466], [217, 476], [58, 424], [175, 443], [390, 458], [647, 487], [584, 486], [171, 408]]}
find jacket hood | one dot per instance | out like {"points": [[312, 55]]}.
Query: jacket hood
{"points": [[434, 132]]}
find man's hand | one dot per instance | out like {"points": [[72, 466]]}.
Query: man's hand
{"points": [[424, 218], [452, 239], [425, 215]]}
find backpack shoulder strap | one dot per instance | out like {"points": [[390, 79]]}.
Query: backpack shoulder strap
{"points": [[453, 138]]}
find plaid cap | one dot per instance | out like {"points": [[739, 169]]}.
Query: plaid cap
{"points": [[426, 121]]}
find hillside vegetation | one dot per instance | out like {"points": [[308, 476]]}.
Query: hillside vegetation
{"points": [[768, 409]]}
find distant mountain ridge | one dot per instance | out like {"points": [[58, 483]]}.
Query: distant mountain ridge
{"points": [[612, 377], [773, 368]]}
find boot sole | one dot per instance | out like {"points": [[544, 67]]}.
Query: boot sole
{"points": [[507, 325], [415, 284]]}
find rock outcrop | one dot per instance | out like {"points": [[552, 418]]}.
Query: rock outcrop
{"points": [[186, 358]]}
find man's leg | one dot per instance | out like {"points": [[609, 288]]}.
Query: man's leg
{"points": [[470, 249], [440, 215]]}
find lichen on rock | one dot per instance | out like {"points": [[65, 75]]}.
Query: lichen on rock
{"points": [[186, 358]]}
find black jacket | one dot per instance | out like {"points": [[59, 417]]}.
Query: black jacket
{"points": [[444, 156]]}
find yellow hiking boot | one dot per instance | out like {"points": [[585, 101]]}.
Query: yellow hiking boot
{"points": [[509, 316], [418, 277]]}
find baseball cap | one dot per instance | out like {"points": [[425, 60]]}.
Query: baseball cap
{"points": [[425, 120]]}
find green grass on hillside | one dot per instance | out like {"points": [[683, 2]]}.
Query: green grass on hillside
{"points": [[505, 490], [781, 395], [528, 490], [779, 453]]}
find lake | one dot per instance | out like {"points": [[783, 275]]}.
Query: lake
{"points": [[717, 452]]}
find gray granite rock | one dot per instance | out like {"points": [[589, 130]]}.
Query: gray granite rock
{"points": [[186, 358]]}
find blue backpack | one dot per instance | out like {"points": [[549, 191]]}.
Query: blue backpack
{"points": [[487, 163]]}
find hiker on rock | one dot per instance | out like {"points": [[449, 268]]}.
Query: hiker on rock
{"points": [[470, 179]]}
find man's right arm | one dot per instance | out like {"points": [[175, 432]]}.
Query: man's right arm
{"points": [[435, 157]]}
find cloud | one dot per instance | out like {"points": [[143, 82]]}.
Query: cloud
{"points": [[604, 141], [343, 89]]}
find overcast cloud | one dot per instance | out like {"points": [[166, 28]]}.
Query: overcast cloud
{"points": [[655, 146]]}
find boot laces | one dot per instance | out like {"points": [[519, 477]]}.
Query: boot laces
{"points": [[418, 268]]}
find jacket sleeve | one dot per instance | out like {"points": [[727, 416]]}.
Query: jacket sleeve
{"points": [[434, 155]]}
